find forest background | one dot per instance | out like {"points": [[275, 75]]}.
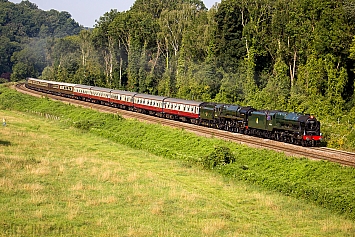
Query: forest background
{"points": [[294, 55]]}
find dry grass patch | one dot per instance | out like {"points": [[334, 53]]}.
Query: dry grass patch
{"points": [[78, 186], [40, 171], [132, 178], [157, 208], [73, 213], [38, 214], [212, 227], [38, 199], [6, 184], [33, 187], [139, 231], [80, 161]]}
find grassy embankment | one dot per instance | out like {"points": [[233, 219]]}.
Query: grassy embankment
{"points": [[59, 179]]}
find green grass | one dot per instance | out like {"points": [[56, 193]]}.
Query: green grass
{"points": [[57, 180]]}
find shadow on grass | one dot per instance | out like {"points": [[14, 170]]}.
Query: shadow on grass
{"points": [[5, 143]]}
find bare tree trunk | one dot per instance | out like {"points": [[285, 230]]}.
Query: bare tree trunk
{"points": [[293, 69], [121, 65], [111, 52], [156, 58], [167, 54]]}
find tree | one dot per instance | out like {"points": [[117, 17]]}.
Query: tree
{"points": [[104, 42], [31, 60], [230, 46]]}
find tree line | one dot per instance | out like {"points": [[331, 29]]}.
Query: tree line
{"points": [[275, 54]]}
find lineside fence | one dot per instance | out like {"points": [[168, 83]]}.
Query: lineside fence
{"points": [[44, 115]]}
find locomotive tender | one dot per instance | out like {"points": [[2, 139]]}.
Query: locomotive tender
{"points": [[295, 128]]}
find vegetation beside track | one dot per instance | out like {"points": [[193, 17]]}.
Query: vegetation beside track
{"points": [[325, 184]]}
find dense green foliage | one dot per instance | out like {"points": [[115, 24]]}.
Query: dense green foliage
{"points": [[270, 54], [25, 30], [219, 157], [326, 184]]}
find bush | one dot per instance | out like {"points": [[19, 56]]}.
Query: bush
{"points": [[219, 157]]}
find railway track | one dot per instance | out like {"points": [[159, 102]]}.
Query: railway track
{"points": [[320, 153]]}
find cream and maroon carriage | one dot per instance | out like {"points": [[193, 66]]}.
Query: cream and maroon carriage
{"points": [[184, 110], [149, 104]]}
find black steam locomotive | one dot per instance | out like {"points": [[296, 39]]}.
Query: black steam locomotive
{"points": [[295, 128]]}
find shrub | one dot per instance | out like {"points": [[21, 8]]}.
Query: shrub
{"points": [[219, 157]]}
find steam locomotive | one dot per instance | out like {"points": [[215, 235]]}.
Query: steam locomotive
{"points": [[290, 127]]}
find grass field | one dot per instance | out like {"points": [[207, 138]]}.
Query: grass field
{"points": [[60, 181]]}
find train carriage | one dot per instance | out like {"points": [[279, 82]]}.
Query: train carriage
{"points": [[149, 104], [38, 84], [185, 110], [100, 95], [53, 87], [122, 99], [82, 92], [62, 88]]}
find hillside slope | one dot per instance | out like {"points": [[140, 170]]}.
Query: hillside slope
{"points": [[57, 180]]}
